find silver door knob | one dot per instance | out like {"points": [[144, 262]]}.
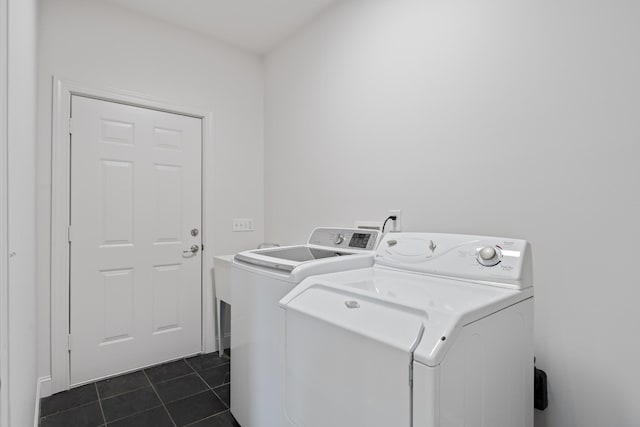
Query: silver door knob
{"points": [[192, 250]]}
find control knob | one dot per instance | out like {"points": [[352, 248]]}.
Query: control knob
{"points": [[339, 239], [488, 256]]}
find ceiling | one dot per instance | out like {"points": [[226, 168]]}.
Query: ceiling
{"points": [[255, 25]]}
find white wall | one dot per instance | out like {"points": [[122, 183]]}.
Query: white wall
{"points": [[19, 382], [102, 45], [495, 117]]}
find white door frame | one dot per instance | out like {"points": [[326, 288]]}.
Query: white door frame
{"points": [[4, 217], [60, 199]]}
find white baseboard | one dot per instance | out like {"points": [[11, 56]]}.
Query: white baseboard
{"points": [[36, 409], [43, 389], [44, 384]]}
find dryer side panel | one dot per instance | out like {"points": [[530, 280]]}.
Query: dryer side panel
{"points": [[255, 317], [426, 383], [487, 377]]}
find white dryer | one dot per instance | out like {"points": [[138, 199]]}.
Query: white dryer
{"points": [[438, 333], [260, 278]]}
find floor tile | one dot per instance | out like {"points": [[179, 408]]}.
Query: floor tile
{"points": [[156, 417], [88, 415], [122, 384], [207, 361], [216, 376], [224, 393], [195, 408], [68, 399], [179, 388], [168, 371], [224, 419], [124, 405]]}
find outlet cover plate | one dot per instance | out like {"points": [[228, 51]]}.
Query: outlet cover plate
{"points": [[242, 224], [397, 224]]}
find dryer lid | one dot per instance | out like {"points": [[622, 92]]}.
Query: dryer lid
{"points": [[383, 321], [346, 356]]}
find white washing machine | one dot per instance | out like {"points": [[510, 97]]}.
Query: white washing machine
{"points": [[438, 333], [260, 278]]}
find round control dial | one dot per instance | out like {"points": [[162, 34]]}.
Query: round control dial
{"points": [[489, 256], [339, 239]]}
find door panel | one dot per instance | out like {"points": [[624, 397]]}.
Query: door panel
{"points": [[135, 296]]}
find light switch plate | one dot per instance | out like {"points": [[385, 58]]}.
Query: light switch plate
{"points": [[242, 224]]}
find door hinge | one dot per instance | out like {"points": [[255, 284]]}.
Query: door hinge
{"points": [[69, 342], [70, 125], [69, 234], [411, 374]]}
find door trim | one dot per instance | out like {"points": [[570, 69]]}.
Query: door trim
{"points": [[4, 216], [63, 90]]}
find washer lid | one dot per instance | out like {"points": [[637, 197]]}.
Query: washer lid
{"points": [[324, 244], [297, 253], [287, 258]]}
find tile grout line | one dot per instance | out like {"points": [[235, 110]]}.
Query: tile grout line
{"points": [[219, 385], [208, 418], [212, 388], [152, 385], [135, 413], [160, 398], [95, 384], [200, 376], [145, 386], [171, 379], [221, 399], [189, 395], [68, 409], [100, 398], [124, 392], [212, 367]]}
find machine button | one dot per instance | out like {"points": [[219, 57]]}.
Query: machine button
{"points": [[487, 253], [488, 256], [339, 239]]}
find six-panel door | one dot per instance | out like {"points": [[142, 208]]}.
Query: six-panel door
{"points": [[135, 294]]}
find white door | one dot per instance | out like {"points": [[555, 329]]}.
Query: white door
{"points": [[135, 291]]}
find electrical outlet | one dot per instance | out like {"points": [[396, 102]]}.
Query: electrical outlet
{"points": [[397, 224], [242, 224]]}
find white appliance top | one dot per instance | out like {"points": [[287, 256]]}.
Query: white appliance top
{"points": [[325, 247], [434, 283]]}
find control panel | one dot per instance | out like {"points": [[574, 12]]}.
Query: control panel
{"points": [[489, 256], [345, 238], [492, 260]]}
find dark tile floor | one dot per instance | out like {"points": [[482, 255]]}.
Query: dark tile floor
{"points": [[187, 392]]}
